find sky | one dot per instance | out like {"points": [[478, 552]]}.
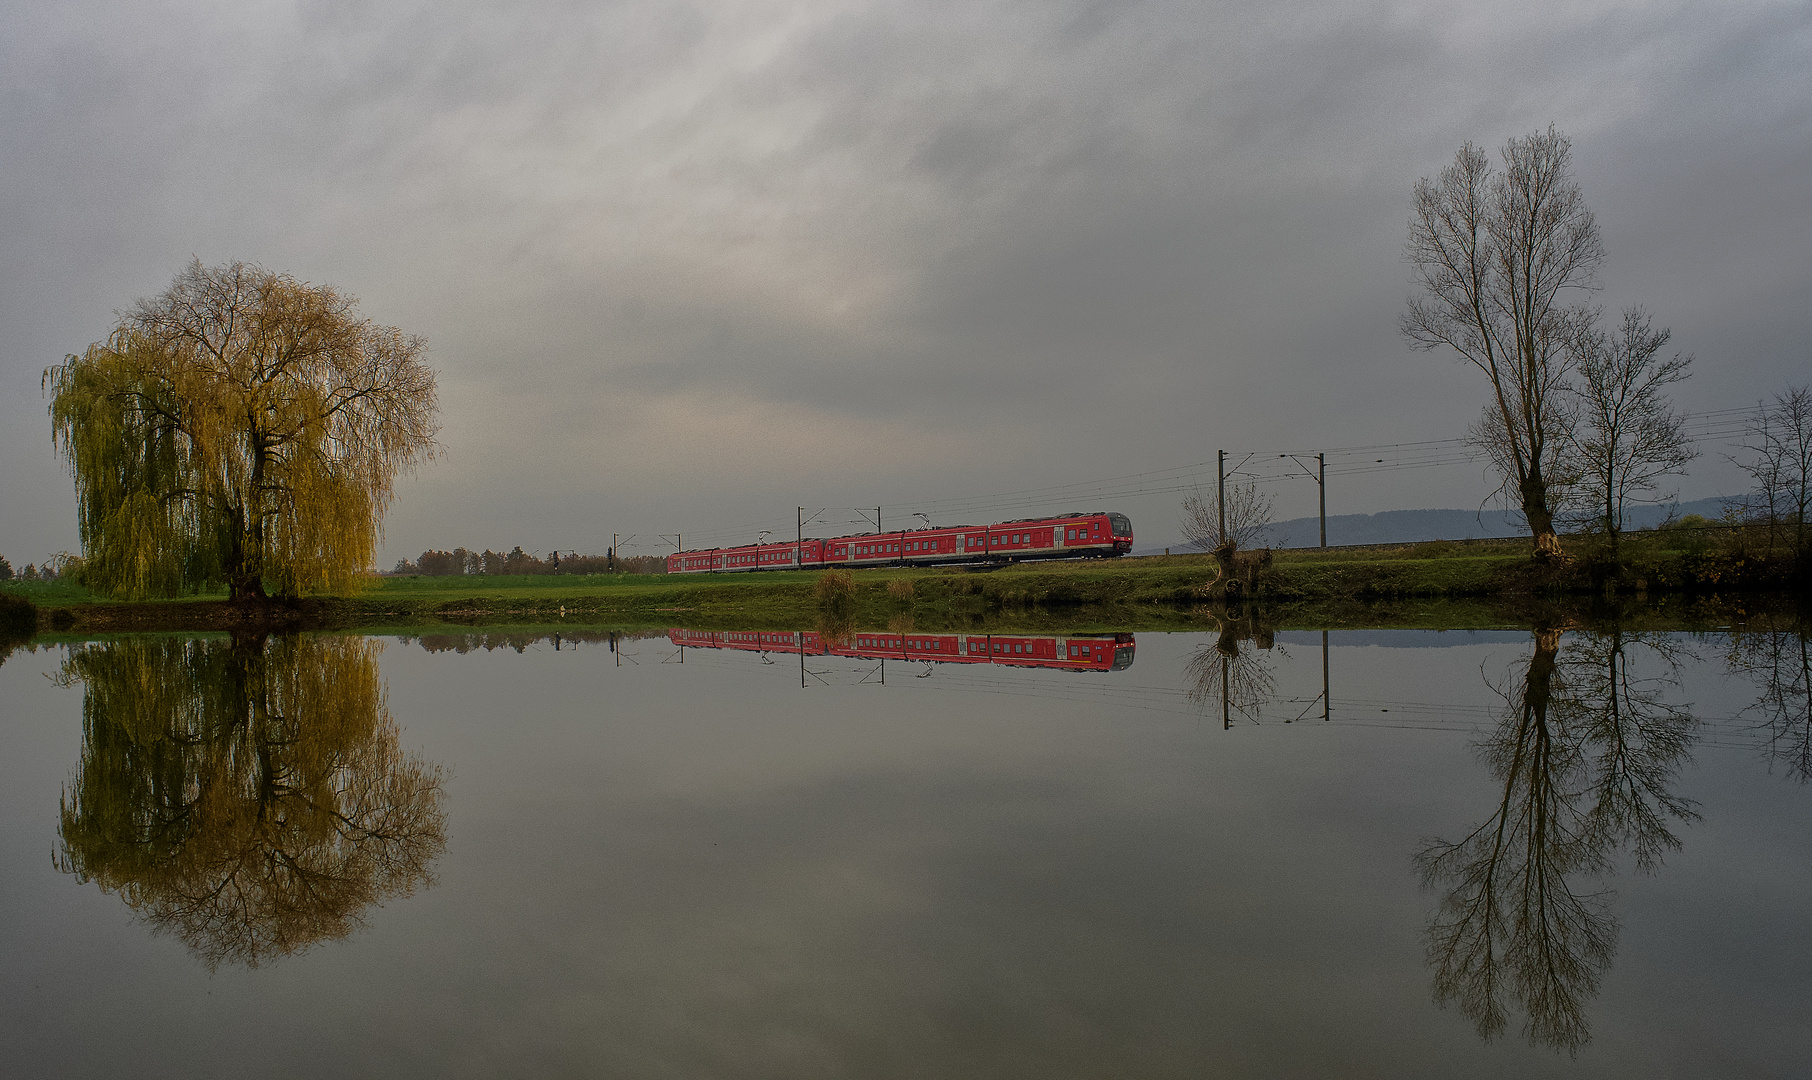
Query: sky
{"points": [[686, 267]]}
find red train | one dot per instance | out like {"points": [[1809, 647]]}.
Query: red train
{"points": [[1068, 652], [1061, 537]]}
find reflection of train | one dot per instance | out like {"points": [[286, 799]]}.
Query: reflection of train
{"points": [[1067, 536], [1066, 652]]}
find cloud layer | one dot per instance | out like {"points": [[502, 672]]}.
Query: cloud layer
{"points": [[684, 267]]}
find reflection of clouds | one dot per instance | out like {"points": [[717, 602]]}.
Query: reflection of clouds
{"points": [[248, 797], [1586, 751]]}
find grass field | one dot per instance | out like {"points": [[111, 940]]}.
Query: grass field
{"points": [[1336, 587]]}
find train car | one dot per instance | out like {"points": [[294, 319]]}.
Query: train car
{"points": [[1065, 536], [1062, 652]]}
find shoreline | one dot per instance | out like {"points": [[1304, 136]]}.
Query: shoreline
{"points": [[1496, 584]]}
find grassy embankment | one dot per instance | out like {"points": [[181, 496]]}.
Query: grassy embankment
{"points": [[1490, 581]]}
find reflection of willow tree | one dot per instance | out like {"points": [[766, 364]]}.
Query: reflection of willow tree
{"points": [[1230, 678], [248, 797], [1781, 662], [1585, 752]]}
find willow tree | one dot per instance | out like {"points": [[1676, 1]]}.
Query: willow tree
{"points": [[241, 427], [1498, 254]]}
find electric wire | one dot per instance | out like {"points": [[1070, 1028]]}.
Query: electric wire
{"points": [[1718, 427]]}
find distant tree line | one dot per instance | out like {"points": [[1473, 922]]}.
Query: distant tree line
{"points": [[436, 563], [53, 569]]}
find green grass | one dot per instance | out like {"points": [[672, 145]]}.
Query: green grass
{"points": [[1338, 587], [43, 592]]}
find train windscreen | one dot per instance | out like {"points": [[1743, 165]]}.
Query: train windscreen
{"points": [[1122, 525]]}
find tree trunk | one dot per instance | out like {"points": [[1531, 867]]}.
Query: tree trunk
{"points": [[1534, 491], [1610, 519], [244, 569]]}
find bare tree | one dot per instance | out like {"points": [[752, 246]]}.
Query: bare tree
{"points": [[1778, 459], [1248, 516], [1496, 253], [1628, 436]]}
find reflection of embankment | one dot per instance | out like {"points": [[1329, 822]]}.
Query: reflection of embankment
{"points": [[522, 641], [246, 796], [1066, 652]]}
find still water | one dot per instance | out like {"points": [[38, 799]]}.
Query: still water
{"points": [[1385, 853]]}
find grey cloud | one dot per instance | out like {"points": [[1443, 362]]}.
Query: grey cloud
{"points": [[1181, 220]]}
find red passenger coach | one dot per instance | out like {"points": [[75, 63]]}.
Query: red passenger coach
{"points": [[1065, 536]]}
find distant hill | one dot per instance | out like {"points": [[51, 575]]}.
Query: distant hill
{"points": [[1410, 526]]}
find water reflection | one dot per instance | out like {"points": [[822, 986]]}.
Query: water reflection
{"points": [[1063, 652], [1237, 674], [1779, 662], [519, 641], [1586, 750], [246, 796]]}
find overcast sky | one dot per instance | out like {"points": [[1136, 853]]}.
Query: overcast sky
{"points": [[686, 266]]}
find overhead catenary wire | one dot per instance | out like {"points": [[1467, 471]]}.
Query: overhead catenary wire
{"points": [[1720, 427]]}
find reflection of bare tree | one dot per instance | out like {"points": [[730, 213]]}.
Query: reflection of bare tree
{"points": [[1585, 751], [836, 626], [1780, 661], [248, 797], [1635, 739], [1229, 678]]}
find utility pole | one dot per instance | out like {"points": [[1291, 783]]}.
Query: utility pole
{"points": [[1321, 484], [799, 542], [1220, 482], [1320, 476]]}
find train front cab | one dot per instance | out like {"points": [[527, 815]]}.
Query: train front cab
{"points": [[1121, 527]]}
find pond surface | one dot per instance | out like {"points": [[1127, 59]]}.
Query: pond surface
{"points": [[1388, 853]]}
